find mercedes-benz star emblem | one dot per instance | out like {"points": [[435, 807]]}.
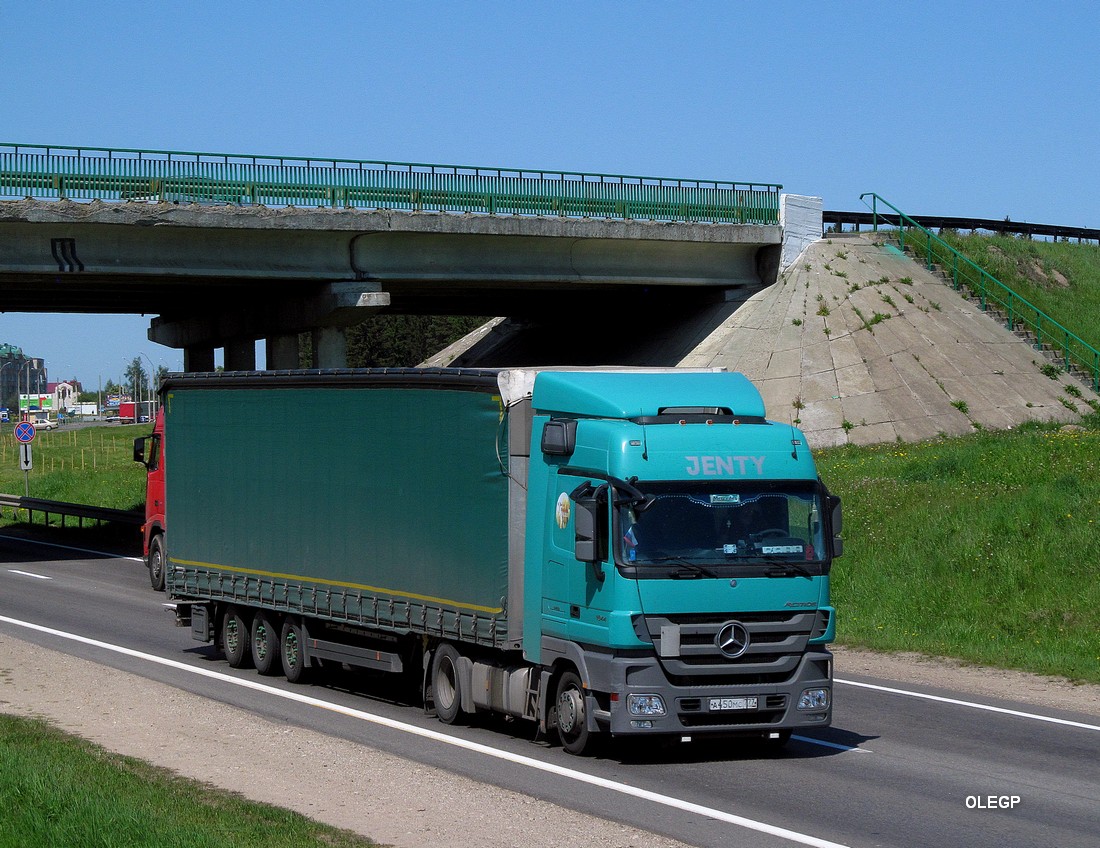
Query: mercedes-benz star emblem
{"points": [[733, 639]]}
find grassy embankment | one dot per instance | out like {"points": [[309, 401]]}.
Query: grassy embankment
{"points": [[983, 548], [1060, 278], [92, 465], [59, 790]]}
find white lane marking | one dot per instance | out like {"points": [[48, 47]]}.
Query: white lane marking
{"points": [[71, 548], [29, 574], [971, 704], [436, 736], [835, 745]]}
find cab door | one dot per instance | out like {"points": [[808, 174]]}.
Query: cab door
{"points": [[577, 593]]}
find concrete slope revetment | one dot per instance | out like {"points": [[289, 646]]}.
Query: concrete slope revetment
{"points": [[856, 343]]}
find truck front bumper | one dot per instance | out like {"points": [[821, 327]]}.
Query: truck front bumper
{"points": [[643, 701]]}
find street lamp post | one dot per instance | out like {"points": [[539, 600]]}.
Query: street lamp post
{"points": [[152, 389]]}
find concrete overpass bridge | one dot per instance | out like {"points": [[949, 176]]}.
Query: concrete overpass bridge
{"points": [[225, 250]]}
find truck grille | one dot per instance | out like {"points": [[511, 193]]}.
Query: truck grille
{"points": [[688, 647]]}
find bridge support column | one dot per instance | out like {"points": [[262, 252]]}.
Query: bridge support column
{"points": [[240, 355], [330, 348], [198, 358], [282, 352]]}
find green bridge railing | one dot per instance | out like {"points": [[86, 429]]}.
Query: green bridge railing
{"points": [[991, 292], [81, 173]]}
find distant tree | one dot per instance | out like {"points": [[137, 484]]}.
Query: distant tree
{"points": [[401, 341], [137, 378], [396, 341]]}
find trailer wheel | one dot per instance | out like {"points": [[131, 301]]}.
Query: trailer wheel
{"points": [[235, 639], [292, 652], [265, 644], [572, 718], [156, 562], [447, 685]]}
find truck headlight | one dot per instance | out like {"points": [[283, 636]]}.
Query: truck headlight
{"points": [[814, 699], [645, 705]]}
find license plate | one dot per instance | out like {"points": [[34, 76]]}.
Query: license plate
{"points": [[723, 704]]}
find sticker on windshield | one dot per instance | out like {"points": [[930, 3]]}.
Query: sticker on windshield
{"points": [[781, 549], [725, 499]]}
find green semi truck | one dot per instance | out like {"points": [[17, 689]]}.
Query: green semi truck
{"points": [[605, 553]]}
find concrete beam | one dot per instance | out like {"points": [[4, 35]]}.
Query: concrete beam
{"points": [[161, 259], [337, 304]]}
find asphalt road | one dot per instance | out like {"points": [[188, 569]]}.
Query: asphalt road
{"points": [[896, 769]]}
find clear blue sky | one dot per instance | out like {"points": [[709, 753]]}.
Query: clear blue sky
{"points": [[983, 109]]}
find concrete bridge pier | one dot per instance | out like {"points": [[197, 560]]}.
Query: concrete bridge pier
{"points": [[198, 358], [282, 352], [240, 355], [327, 313], [330, 347]]}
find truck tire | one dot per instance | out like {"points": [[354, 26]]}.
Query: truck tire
{"points": [[447, 685], [292, 651], [265, 644], [236, 638], [156, 562], [571, 715]]}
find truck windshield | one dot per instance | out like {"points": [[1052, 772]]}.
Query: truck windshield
{"points": [[708, 524]]}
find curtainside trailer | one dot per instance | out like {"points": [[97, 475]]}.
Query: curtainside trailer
{"points": [[604, 553]]}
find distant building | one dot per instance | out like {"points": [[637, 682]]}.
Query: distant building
{"points": [[19, 375], [65, 394]]}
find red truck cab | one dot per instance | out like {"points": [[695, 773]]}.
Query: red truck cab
{"points": [[149, 451]]}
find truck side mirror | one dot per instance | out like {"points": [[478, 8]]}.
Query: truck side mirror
{"points": [[590, 524], [837, 525], [139, 450], [584, 529], [559, 437]]}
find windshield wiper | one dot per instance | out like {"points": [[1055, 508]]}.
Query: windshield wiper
{"points": [[786, 568], [689, 568]]}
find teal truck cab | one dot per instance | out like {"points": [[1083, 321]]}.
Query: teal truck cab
{"points": [[682, 558], [618, 552]]}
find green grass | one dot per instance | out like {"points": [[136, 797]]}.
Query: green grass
{"points": [[1031, 268], [982, 548], [92, 465], [60, 790]]}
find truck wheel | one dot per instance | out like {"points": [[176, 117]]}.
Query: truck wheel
{"points": [[447, 685], [235, 639], [265, 644], [292, 652], [572, 718], [156, 562]]}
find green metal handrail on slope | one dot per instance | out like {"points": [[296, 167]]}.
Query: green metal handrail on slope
{"points": [[990, 291], [81, 173]]}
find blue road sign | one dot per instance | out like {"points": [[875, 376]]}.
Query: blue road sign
{"points": [[24, 432]]}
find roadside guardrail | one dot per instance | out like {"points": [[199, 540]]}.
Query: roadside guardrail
{"points": [[63, 510]]}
